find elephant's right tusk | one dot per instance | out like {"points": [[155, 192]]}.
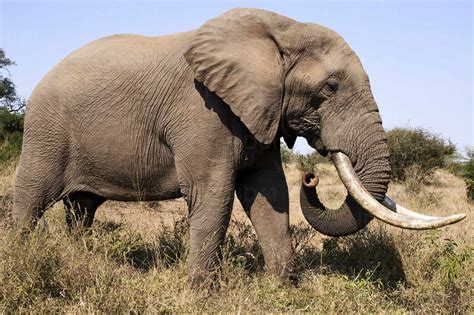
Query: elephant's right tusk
{"points": [[403, 217]]}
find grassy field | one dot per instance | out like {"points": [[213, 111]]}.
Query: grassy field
{"points": [[135, 260]]}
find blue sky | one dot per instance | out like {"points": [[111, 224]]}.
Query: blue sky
{"points": [[418, 54]]}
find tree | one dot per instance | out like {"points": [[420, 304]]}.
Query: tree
{"points": [[8, 96], [11, 113]]}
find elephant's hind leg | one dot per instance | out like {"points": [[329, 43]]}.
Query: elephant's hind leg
{"points": [[80, 208], [37, 187], [39, 180]]}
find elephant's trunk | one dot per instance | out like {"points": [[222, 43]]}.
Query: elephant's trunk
{"points": [[360, 205], [346, 220], [369, 154]]}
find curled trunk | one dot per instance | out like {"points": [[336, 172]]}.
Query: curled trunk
{"points": [[369, 155], [352, 216], [346, 220]]}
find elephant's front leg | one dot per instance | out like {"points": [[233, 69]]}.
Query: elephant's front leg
{"points": [[264, 196], [210, 199]]}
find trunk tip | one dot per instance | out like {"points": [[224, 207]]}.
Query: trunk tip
{"points": [[310, 180]]}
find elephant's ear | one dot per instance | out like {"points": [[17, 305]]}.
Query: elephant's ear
{"points": [[239, 57]]}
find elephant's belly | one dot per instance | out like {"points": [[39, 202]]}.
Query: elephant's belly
{"points": [[160, 191], [130, 178]]}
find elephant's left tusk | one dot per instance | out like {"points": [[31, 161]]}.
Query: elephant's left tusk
{"points": [[403, 217], [392, 205]]}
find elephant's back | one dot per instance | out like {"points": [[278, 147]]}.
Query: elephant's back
{"points": [[104, 64], [124, 49]]}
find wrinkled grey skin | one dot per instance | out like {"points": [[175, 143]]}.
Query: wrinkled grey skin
{"points": [[199, 115]]}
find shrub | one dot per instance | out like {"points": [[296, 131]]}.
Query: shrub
{"points": [[457, 168], [11, 113], [307, 162], [450, 262], [417, 148], [304, 162], [469, 178], [11, 134], [287, 155]]}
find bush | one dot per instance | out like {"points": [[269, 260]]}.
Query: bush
{"points": [[287, 155], [11, 134], [417, 148], [11, 113], [304, 162], [469, 178], [464, 167], [307, 162]]}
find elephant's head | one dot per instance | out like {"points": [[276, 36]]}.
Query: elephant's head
{"points": [[286, 78]]}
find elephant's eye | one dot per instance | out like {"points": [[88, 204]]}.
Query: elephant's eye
{"points": [[330, 87]]}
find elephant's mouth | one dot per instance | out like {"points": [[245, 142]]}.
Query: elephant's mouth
{"points": [[323, 152], [387, 211], [319, 146]]}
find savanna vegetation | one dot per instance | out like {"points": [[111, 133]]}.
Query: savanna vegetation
{"points": [[465, 168], [415, 154], [134, 258], [11, 114]]}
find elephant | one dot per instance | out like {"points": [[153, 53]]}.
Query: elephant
{"points": [[200, 115]]}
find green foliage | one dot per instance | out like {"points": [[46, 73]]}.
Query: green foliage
{"points": [[416, 153], [8, 96], [457, 168], [464, 167], [287, 155], [451, 262], [469, 178], [304, 162], [11, 114], [307, 162], [11, 134]]}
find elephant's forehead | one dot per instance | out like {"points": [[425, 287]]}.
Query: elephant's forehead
{"points": [[319, 66], [320, 37], [322, 44]]}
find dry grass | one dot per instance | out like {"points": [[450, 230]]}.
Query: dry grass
{"points": [[134, 260]]}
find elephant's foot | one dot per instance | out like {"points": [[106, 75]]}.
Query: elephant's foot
{"points": [[284, 272], [204, 275]]}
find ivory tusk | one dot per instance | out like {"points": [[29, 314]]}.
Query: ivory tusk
{"points": [[392, 205], [403, 217]]}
